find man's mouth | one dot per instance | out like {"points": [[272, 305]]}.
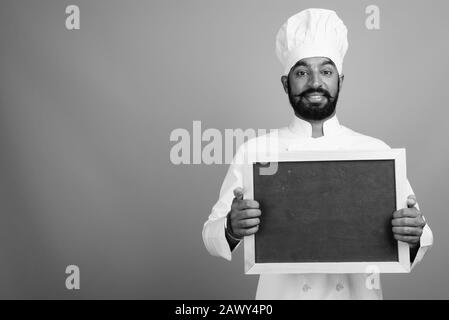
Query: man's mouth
{"points": [[315, 97]]}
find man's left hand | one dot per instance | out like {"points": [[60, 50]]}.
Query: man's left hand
{"points": [[408, 223]]}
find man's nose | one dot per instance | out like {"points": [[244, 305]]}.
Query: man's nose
{"points": [[315, 81]]}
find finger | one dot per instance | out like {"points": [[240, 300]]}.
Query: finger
{"points": [[408, 239], [411, 201], [407, 222], [250, 231], [421, 221], [249, 213], [238, 193], [411, 231], [247, 204], [248, 223], [406, 212]]}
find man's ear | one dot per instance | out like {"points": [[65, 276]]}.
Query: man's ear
{"points": [[284, 80], [342, 77]]}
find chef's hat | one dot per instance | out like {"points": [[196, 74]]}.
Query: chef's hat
{"points": [[312, 33]]}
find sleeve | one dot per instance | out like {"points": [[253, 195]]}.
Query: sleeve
{"points": [[214, 228], [426, 239]]}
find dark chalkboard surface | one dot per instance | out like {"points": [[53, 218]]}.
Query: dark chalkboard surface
{"points": [[326, 211]]}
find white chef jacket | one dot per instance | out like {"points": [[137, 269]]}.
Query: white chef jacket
{"points": [[298, 136]]}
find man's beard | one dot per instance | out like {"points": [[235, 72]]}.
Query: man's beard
{"points": [[312, 111]]}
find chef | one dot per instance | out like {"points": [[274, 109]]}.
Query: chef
{"points": [[311, 46]]}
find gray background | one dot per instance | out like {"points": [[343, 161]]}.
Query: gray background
{"points": [[85, 119]]}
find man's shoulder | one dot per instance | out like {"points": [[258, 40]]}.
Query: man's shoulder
{"points": [[270, 138], [262, 138], [263, 141], [363, 139]]}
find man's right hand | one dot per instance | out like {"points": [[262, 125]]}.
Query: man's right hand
{"points": [[244, 216]]}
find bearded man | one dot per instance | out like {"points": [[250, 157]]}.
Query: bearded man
{"points": [[311, 46]]}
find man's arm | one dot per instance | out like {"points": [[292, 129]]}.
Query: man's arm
{"points": [[243, 219], [214, 230], [409, 225], [413, 252], [233, 242]]}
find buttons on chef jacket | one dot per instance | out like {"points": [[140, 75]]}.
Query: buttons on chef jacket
{"points": [[306, 287], [339, 286]]}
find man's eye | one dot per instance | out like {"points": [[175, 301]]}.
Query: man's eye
{"points": [[301, 73], [327, 72]]}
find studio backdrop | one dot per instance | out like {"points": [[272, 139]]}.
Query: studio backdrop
{"points": [[91, 93]]}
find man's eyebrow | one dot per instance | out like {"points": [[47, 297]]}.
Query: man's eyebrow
{"points": [[328, 62], [300, 64], [303, 64]]}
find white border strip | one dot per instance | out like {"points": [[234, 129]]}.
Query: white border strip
{"points": [[401, 266]]}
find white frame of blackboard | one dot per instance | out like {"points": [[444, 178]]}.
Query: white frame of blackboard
{"points": [[398, 155]]}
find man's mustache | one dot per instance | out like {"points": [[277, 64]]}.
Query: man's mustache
{"points": [[315, 91]]}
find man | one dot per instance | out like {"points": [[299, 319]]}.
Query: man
{"points": [[311, 45]]}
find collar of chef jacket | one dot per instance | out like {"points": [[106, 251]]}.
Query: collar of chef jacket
{"points": [[303, 129], [301, 135]]}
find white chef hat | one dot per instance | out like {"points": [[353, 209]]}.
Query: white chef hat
{"points": [[312, 33]]}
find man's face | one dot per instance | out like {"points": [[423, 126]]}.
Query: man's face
{"points": [[313, 85]]}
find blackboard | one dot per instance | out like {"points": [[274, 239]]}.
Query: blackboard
{"points": [[321, 211], [326, 211]]}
